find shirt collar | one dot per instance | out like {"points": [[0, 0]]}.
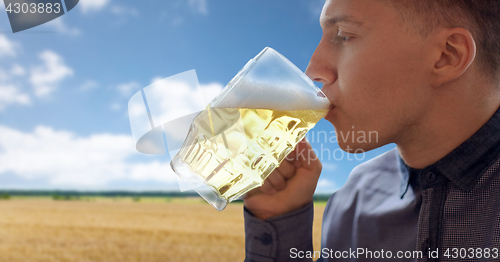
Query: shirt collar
{"points": [[465, 164], [409, 176]]}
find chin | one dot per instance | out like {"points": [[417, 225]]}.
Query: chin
{"points": [[353, 140], [356, 148], [358, 141]]}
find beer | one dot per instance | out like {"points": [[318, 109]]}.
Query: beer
{"points": [[234, 149]]}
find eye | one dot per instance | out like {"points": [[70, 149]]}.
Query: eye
{"points": [[342, 38]]}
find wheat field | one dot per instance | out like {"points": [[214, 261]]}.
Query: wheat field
{"points": [[123, 230]]}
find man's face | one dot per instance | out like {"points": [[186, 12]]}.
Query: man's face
{"points": [[374, 70]]}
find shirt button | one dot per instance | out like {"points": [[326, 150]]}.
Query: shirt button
{"points": [[266, 239], [430, 177]]}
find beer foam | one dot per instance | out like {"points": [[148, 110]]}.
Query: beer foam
{"points": [[283, 97]]}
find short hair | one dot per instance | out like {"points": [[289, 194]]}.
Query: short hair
{"points": [[480, 17]]}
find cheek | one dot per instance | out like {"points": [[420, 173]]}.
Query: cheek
{"points": [[363, 84], [372, 88]]}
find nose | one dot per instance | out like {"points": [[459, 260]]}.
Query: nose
{"points": [[322, 66]]}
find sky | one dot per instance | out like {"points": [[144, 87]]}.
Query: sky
{"points": [[65, 85]]}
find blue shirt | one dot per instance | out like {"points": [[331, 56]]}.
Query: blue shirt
{"points": [[447, 211]]}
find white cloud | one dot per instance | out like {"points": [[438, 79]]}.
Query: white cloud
{"points": [[7, 76], [10, 94], [326, 186], [174, 98], [7, 47], [17, 70], [210, 91], [329, 166], [199, 6], [127, 89], [65, 159], [46, 77], [62, 28], [325, 183], [10, 87], [178, 98], [92, 5]]}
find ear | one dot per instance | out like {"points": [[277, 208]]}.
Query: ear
{"points": [[457, 50]]}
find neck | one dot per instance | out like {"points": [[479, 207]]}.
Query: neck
{"points": [[452, 119]]}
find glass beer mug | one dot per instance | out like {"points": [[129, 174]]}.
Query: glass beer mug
{"points": [[249, 128]]}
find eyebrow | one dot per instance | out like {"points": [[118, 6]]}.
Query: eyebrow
{"points": [[346, 19]]}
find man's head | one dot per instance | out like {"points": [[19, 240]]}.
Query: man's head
{"points": [[392, 66], [480, 17]]}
